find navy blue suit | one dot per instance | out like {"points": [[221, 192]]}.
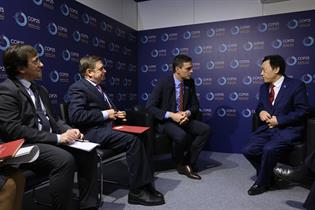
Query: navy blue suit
{"points": [[163, 99], [85, 106], [269, 145]]}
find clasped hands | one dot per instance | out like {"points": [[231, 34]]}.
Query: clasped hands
{"points": [[179, 117], [114, 114], [270, 120]]}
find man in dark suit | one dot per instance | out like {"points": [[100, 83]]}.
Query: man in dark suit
{"points": [[304, 174], [26, 112], [91, 110], [282, 107], [175, 106]]}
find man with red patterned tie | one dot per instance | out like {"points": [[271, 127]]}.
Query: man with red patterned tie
{"points": [[175, 106], [91, 110], [282, 108]]}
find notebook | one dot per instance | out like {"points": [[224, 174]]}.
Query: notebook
{"points": [[9, 149]]}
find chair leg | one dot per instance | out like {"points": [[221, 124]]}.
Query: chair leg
{"points": [[99, 202]]}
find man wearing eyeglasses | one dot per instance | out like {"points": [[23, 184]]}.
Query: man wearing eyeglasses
{"points": [[25, 112]]}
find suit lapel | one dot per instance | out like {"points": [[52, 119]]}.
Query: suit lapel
{"points": [[172, 97], [25, 93], [282, 92]]}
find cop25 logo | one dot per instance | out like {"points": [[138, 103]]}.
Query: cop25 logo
{"points": [[4, 42], [20, 18], [247, 80], [52, 28], [66, 55], [308, 41], [246, 113], [144, 96], [262, 27], [210, 32], [293, 24], [64, 9], [54, 76], [198, 81], [221, 112], [76, 36], [291, 61], [222, 81], [40, 49], [235, 30], [210, 96], [276, 44], [233, 96], [307, 78], [38, 2]]}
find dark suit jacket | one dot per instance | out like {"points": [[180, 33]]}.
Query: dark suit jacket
{"points": [[290, 108], [85, 107], [18, 115], [163, 98]]}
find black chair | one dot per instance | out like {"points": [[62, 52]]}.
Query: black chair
{"points": [[302, 148], [105, 156]]}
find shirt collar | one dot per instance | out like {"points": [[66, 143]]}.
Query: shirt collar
{"points": [[93, 83], [25, 83], [177, 82], [278, 83]]}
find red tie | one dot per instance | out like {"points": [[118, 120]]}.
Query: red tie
{"points": [[181, 96], [271, 93]]}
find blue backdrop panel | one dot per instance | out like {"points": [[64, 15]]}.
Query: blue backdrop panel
{"points": [[63, 32], [226, 58]]}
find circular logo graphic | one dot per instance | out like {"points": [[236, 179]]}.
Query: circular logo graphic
{"points": [[308, 41], [164, 37], [291, 61], [103, 26], [175, 51], [210, 65], [187, 35], [222, 48], [64, 9], [258, 62], [262, 27], [198, 50], [165, 67], [154, 53], [76, 36], [234, 64], [248, 46], [144, 96], [221, 112], [235, 30], [40, 49], [77, 77], [20, 18], [111, 46], [247, 80], [144, 68], [307, 78], [54, 76], [198, 81], [4, 42], [38, 2], [210, 32], [222, 81], [66, 55], [85, 18], [52, 28], [233, 96], [95, 41], [246, 113], [210, 96], [154, 82], [293, 24], [276, 44], [144, 39]]}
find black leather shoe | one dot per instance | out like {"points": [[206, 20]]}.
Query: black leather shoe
{"points": [[186, 170], [257, 189], [152, 190], [297, 175], [145, 198]]}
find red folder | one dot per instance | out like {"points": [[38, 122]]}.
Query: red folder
{"points": [[131, 128], [8, 150]]}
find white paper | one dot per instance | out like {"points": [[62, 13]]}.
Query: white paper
{"points": [[24, 155], [83, 145]]}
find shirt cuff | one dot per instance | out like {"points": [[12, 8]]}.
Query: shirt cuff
{"points": [[105, 114], [167, 115], [188, 112], [58, 138]]}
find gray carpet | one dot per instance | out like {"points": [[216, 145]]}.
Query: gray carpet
{"points": [[222, 188]]}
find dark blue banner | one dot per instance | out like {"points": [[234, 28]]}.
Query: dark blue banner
{"points": [[226, 58], [63, 32]]}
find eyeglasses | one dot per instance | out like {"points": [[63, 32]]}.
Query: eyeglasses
{"points": [[37, 61]]}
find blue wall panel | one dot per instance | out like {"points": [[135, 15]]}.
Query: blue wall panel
{"points": [[227, 57]]}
